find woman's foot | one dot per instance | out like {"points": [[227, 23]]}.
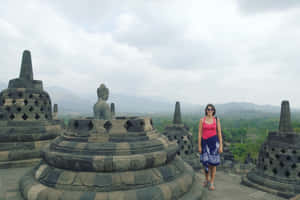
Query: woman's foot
{"points": [[211, 187], [206, 184]]}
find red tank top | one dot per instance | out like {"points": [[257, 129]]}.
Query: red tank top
{"points": [[209, 130]]}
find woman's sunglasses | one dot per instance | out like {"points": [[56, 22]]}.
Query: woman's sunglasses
{"points": [[210, 109]]}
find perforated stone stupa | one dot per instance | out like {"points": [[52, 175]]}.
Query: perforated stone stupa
{"points": [[180, 133], [25, 119], [123, 159], [278, 166]]}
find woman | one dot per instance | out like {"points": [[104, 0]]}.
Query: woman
{"points": [[210, 144]]}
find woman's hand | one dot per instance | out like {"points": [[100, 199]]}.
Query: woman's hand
{"points": [[221, 148], [200, 150]]}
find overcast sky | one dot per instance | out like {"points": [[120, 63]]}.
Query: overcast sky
{"points": [[191, 51]]}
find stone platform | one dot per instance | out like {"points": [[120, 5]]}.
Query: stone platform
{"points": [[228, 187], [9, 183]]}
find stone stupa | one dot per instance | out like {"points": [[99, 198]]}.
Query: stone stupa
{"points": [[123, 158], [278, 167], [26, 123], [180, 133]]}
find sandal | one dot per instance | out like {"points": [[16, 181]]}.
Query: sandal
{"points": [[206, 184], [211, 187]]}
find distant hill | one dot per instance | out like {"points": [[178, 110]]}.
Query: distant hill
{"points": [[232, 107], [71, 103], [68, 102], [244, 106], [3, 86], [125, 103]]}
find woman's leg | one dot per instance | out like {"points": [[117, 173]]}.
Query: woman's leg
{"points": [[207, 174], [205, 183], [213, 170]]}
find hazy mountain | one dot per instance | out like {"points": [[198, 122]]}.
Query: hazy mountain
{"points": [[68, 102], [232, 108], [244, 106], [71, 103], [126, 103], [2, 86]]}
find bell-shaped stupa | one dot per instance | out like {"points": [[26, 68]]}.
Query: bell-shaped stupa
{"points": [[26, 122], [123, 158], [180, 133], [278, 166]]}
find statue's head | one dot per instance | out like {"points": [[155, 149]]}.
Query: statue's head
{"points": [[103, 92]]}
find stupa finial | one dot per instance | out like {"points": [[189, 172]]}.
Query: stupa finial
{"points": [[26, 72], [112, 109], [55, 108], [285, 124], [177, 114]]}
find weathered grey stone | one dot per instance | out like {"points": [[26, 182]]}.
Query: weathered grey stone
{"points": [[121, 158], [277, 166], [26, 123]]}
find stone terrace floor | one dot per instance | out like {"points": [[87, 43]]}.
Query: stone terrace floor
{"points": [[227, 187]]}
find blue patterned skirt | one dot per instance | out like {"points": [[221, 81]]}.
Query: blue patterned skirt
{"points": [[210, 152]]}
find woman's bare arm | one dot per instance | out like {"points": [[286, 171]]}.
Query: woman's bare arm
{"points": [[220, 135], [200, 135]]}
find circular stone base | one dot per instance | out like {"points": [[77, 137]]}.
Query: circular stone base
{"points": [[21, 145], [22, 157], [267, 185], [197, 191], [31, 189], [195, 163], [19, 163]]}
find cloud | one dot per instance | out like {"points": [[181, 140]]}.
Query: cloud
{"points": [[75, 57], [197, 52], [258, 6]]}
